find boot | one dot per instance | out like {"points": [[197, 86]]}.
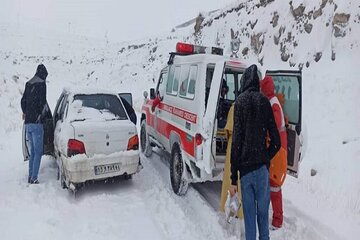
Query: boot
{"points": [[34, 181], [276, 202]]}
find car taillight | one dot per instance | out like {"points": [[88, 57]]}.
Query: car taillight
{"points": [[133, 143], [75, 147], [198, 139]]}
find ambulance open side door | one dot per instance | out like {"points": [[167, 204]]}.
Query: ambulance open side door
{"points": [[288, 86], [209, 120]]}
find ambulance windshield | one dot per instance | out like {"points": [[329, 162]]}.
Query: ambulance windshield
{"points": [[229, 86]]}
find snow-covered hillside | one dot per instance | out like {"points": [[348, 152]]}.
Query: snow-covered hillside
{"points": [[321, 37]]}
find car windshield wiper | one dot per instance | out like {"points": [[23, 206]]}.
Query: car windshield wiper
{"points": [[79, 120], [116, 118], [111, 119]]}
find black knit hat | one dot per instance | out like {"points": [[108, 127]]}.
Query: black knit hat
{"points": [[41, 72], [250, 79]]}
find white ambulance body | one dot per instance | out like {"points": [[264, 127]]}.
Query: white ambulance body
{"points": [[185, 122]]}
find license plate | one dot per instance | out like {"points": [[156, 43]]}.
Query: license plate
{"points": [[109, 168]]}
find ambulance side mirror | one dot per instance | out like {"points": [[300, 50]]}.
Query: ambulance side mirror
{"points": [[152, 93], [146, 94]]}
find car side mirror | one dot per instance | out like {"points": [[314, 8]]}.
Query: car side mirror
{"points": [[146, 94], [152, 93]]}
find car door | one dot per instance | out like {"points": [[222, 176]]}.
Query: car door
{"points": [[48, 130], [288, 86], [126, 99], [48, 139], [25, 144], [158, 112], [58, 118]]}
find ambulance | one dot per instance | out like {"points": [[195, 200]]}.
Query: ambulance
{"points": [[196, 83]]}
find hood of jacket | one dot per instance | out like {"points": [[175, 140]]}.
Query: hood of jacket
{"points": [[267, 87], [250, 80], [41, 72]]}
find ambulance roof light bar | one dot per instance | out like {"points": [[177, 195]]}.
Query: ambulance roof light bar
{"points": [[185, 48], [188, 49]]}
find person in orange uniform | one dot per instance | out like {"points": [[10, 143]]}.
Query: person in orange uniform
{"points": [[278, 165]]}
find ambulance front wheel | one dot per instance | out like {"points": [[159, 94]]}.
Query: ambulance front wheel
{"points": [[177, 169], [146, 148]]}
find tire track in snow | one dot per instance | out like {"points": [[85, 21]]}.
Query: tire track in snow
{"points": [[191, 215]]}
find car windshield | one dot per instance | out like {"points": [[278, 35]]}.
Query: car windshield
{"points": [[98, 106]]}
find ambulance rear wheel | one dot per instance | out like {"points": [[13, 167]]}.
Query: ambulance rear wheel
{"points": [[177, 169], [146, 148]]}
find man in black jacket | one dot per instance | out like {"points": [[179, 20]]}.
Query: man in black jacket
{"points": [[254, 127], [33, 105]]}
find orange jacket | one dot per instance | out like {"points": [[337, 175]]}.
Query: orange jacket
{"points": [[268, 88], [278, 165]]}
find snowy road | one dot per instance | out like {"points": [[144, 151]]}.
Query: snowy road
{"points": [[144, 207], [297, 225]]}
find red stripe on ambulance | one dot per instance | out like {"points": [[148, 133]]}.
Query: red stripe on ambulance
{"points": [[187, 141], [164, 128], [149, 116]]}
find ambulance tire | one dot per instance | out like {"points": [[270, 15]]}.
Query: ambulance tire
{"points": [[177, 167], [145, 146]]}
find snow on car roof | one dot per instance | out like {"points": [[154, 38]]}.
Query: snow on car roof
{"points": [[87, 90]]}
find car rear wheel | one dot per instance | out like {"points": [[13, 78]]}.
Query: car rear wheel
{"points": [[128, 177], [177, 167], [61, 176], [146, 148]]}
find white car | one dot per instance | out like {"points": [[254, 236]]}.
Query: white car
{"points": [[94, 138]]}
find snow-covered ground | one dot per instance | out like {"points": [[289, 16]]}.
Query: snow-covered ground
{"points": [[325, 206], [144, 207]]}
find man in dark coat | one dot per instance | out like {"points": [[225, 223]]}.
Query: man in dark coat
{"points": [[252, 151], [33, 105]]}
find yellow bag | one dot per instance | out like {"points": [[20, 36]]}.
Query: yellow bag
{"points": [[226, 183]]}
